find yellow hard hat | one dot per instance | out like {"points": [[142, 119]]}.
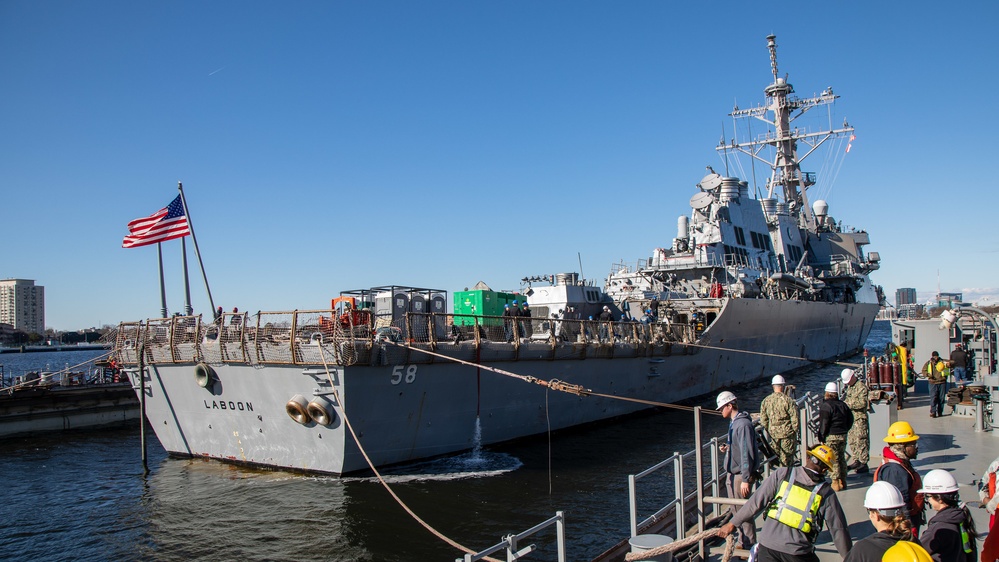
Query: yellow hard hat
{"points": [[905, 551], [825, 454], [901, 432]]}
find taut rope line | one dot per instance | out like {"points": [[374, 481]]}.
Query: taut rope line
{"points": [[346, 421], [777, 355], [556, 384]]}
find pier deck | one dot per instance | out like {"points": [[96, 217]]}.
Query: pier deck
{"points": [[949, 442]]}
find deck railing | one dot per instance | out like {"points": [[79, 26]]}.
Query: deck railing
{"points": [[315, 337], [510, 543]]}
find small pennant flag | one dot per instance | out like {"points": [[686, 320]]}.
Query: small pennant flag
{"points": [[849, 145], [166, 224]]}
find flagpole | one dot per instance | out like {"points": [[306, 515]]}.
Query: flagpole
{"points": [[187, 283], [163, 309], [197, 252]]}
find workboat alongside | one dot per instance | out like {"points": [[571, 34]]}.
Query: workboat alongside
{"points": [[40, 402], [749, 287]]}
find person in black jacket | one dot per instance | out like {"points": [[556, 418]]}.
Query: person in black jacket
{"points": [[508, 315], [606, 317], [950, 535], [835, 419], [886, 511]]}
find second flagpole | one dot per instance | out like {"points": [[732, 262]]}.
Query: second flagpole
{"points": [[190, 225]]}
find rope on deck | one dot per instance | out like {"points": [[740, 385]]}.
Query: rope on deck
{"points": [[682, 544]]}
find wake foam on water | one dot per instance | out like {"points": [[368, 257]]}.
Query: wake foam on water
{"points": [[474, 464]]}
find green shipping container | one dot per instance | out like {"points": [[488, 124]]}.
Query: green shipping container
{"points": [[481, 303]]}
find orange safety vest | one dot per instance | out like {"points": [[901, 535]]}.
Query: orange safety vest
{"points": [[915, 483]]}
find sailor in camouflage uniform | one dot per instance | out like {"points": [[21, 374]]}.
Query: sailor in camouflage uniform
{"points": [[857, 397], [779, 416]]}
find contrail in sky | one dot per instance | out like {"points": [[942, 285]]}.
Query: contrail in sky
{"points": [[214, 71]]}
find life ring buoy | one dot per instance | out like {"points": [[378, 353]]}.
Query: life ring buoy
{"points": [[321, 411], [298, 409], [204, 375]]}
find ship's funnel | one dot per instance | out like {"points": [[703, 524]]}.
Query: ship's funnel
{"points": [[769, 207], [566, 279], [729, 189]]}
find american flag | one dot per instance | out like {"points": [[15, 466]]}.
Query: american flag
{"points": [[166, 224]]}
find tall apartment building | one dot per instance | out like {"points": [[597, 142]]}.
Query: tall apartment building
{"points": [[22, 305], [905, 295]]}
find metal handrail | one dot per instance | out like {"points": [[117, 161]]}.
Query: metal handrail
{"points": [[677, 505], [510, 542]]}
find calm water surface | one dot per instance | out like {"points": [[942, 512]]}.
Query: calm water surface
{"points": [[83, 496]]}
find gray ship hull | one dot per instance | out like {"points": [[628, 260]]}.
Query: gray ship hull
{"points": [[403, 410]]}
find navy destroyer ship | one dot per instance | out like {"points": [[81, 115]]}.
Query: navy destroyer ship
{"points": [[749, 287]]}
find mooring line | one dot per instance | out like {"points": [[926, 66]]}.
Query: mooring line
{"points": [[556, 384], [346, 421], [777, 355], [562, 386]]}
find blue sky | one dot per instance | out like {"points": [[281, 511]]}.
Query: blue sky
{"points": [[326, 146]]}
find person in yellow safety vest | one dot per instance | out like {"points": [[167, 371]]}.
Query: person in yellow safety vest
{"points": [[908, 372], [798, 501], [936, 373], [950, 535]]}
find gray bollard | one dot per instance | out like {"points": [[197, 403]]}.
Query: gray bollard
{"points": [[645, 543]]}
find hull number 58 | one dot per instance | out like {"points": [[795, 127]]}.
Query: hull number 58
{"points": [[403, 373]]}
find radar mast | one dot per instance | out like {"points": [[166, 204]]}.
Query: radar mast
{"points": [[786, 175]]}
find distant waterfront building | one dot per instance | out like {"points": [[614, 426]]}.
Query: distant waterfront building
{"points": [[6, 331], [905, 295], [22, 305], [949, 300], [910, 311]]}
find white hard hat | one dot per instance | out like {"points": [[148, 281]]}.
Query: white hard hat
{"points": [[883, 496], [724, 398], [938, 481], [777, 380], [832, 387], [846, 375]]}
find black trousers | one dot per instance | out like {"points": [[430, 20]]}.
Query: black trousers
{"points": [[764, 554]]}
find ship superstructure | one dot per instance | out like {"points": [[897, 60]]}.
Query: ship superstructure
{"points": [[777, 247]]}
